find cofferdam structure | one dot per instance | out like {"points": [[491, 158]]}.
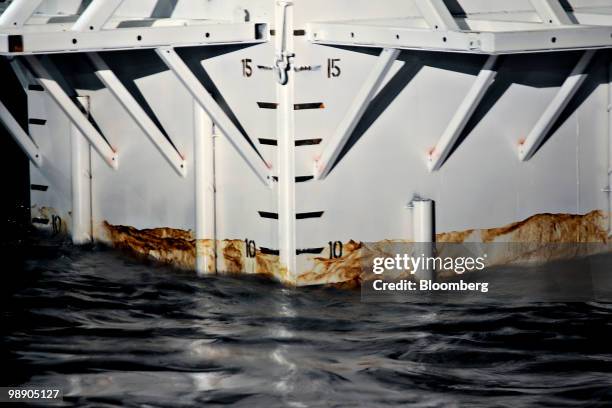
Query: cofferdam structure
{"points": [[279, 137]]}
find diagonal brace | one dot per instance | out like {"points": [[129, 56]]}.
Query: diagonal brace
{"points": [[551, 12], [138, 114], [21, 137], [437, 15], [73, 112], [567, 91], [334, 145], [18, 13], [457, 125], [96, 15], [223, 122]]}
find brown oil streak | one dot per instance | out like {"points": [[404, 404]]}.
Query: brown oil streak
{"points": [[336, 271], [178, 248], [233, 256], [554, 228], [164, 245], [347, 272], [452, 237]]}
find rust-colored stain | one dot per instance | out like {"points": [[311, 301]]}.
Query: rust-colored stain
{"points": [[454, 237], [233, 256], [554, 228], [178, 248], [165, 245], [536, 231], [345, 270], [541, 228]]}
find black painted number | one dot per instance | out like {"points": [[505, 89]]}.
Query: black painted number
{"points": [[251, 248], [56, 223], [333, 70], [247, 69], [335, 249]]}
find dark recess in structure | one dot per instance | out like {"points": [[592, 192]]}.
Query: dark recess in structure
{"points": [[15, 203]]}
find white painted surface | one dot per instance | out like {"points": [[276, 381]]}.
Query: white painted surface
{"points": [[481, 185], [80, 160]]}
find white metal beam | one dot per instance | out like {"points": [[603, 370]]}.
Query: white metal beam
{"points": [[96, 15], [80, 166], [334, 145], [485, 79], [18, 13], [146, 124], [479, 41], [21, 137], [204, 162], [286, 150], [46, 40], [551, 12], [567, 91], [73, 112], [223, 122], [437, 15]]}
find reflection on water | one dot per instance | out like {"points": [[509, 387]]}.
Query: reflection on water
{"points": [[113, 332]]}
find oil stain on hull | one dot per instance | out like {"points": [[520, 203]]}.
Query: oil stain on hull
{"points": [[178, 248]]}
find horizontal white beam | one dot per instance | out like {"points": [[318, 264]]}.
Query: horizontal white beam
{"points": [[542, 39], [96, 15], [18, 13], [146, 124], [73, 112], [53, 41], [223, 122], [437, 15], [567, 91], [21, 137], [453, 131], [334, 145], [551, 12]]}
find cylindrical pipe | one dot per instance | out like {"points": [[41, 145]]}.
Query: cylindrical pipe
{"points": [[423, 220], [81, 183], [423, 234], [204, 162]]}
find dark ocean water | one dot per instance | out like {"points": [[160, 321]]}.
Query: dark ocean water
{"points": [[111, 331]]}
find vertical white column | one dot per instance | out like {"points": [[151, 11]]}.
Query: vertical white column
{"points": [[423, 233], [204, 162], [81, 182], [286, 145]]}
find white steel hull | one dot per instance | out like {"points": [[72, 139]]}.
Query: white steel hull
{"points": [[335, 155]]}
